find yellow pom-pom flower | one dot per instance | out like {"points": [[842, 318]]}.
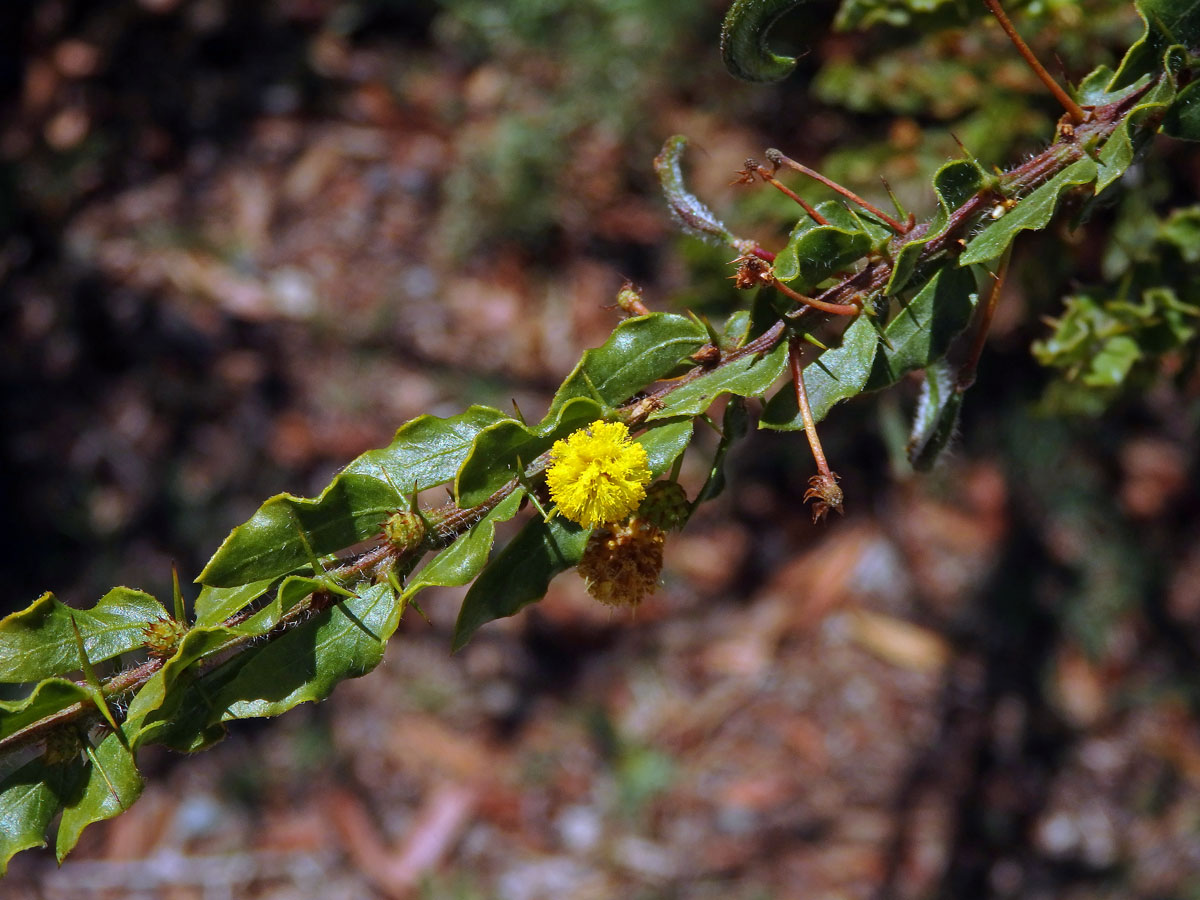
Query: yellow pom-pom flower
{"points": [[598, 475]]}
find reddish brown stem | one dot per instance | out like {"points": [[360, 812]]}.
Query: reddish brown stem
{"points": [[780, 160], [1074, 110], [822, 487], [767, 176], [837, 309], [966, 375]]}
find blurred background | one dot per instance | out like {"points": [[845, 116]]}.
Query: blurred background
{"points": [[243, 241]]}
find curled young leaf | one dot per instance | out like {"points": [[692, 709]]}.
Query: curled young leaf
{"points": [[744, 40]]}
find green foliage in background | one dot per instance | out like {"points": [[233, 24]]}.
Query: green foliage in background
{"points": [[291, 604]]}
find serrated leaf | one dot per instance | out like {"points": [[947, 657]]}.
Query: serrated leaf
{"points": [[921, 331], [1032, 213], [837, 374], [639, 352], [520, 573], [112, 785], [48, 697], [493, 459], [462, 560], [815, 252], [936, 419], [39, 641], [29, 799], [693, 216], [749, 376], [287, 530]]}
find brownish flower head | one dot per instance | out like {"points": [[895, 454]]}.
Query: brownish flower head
{"points": [[824, 489], [621, 563], [751, 272]]}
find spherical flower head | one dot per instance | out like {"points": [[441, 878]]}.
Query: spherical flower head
{"points": [[621, 564], [598, 475]]}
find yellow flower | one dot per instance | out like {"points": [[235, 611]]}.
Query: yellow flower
{"points": [[598, 475]]}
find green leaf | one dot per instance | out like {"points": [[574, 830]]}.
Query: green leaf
{"points": [[39, 641], [288, 531], [663, 442], [492, 462], [215, 605], [954, 183], [1182, 120], [305, 664], [734, 425], [749, 376], [462, 560], [936, 420], [112, 785], [1123, 145], [48, 697], [744, 40], [815, 252], [158, 703], [639, 352], [693, 216], [1032, 213], [29, 799], [837, 374], [1167, 22], [921, 332], [520, 573]]}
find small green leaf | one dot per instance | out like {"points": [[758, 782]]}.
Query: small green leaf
{"points": [[1032, 213], [1167, 22], [520, 573], [815, 252], [1182, 120], [113, 784], [921, 331], [493, 459], [734, 425], [749, 376], [693, 216], [663, 442], [954, 183], [305, 664], [744, 40], [462, 560], [48, 697], [936, 419], [29, 799], [837, 374], [287, 531], [639, 352], [215, 605], [39, 641]]}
